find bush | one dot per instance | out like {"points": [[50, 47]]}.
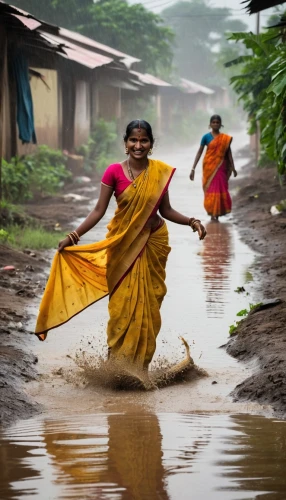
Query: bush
{"points": [[11, 214], [16, 180], [48, 170], [42, 172], [102, 147]]}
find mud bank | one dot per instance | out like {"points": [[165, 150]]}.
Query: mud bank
{"points": [[17, 363], [18, 288], [261, 337]]}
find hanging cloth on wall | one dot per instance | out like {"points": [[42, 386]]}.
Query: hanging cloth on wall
{"points": [[25, 113]]}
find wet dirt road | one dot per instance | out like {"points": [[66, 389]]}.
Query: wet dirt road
{"points": [[184, 441]]}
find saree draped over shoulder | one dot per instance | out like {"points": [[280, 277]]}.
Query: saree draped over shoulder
{"points": [[129, 266], [217, 200]]}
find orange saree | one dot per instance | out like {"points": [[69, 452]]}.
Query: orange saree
{"points": [[129, 266], [217, 200]]}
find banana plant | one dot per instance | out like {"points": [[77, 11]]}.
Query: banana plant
{"points": [[261, 86]]}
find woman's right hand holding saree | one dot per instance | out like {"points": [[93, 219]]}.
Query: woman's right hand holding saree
{"points": [[92, 219], [168, 212]]}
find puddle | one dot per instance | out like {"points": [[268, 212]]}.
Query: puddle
{"points": [[144, 456]]}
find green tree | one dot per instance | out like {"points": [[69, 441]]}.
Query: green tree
{"points": [[200, 35], [129, 28], [67, 13]]}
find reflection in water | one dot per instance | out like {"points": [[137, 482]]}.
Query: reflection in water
{"points": [[144, 456], [261, 466], [121, 459], [216, 261]]}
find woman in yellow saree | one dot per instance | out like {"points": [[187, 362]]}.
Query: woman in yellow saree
{"points": [[217, 168], [129, 265]]}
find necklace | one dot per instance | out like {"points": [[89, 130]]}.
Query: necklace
{"points": [[131, 173]]}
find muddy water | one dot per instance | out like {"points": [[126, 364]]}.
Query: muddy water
{"points": [[185, 441], [138, 456]]}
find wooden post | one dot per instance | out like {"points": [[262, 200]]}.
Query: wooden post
{"points": [[3, 71], [257, 134], [159, 112]]}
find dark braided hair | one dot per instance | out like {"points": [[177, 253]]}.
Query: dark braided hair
{"points": [[139, 124]]}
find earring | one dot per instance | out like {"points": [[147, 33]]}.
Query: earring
{"points": [[150, 152], [126, 151]]}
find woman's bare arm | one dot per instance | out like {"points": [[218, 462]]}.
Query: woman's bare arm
{"points": [[93, 218], [197, 158], [172, 215], [231, 162]]}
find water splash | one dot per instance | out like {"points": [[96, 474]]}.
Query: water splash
{"points": [[118, 375]]}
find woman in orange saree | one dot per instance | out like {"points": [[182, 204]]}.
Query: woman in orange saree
{"points": [[129, 264], [217, 167]]}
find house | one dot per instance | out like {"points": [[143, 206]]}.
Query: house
{"points": [[69, 81], [182, 99]]}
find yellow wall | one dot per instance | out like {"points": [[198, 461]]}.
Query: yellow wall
{"points": [[45, 102]]}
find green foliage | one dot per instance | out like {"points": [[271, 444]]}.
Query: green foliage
{"points": [[67, 13], [131, 29], [243, 313], [48, 170], [15, 180], [42, 172], [134, 30], [261, 86], [233, 329], [12, 214], [102, 146], [35, 238], [3, 236], [200, 35]]}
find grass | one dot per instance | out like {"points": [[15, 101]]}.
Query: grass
{"points": [[22, 232], [32, 238]]}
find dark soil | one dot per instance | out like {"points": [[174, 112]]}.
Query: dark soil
{"points": [[18, 288], [261, 337]]}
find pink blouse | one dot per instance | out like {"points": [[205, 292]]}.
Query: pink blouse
{"points": [[114, 177]]}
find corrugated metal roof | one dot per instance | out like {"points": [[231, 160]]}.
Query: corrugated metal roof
{"points": [[148, 79], [194, 88], [12, 7], [255, 6], [77, 37], [22, 24], [30, 23], [75, 53], [121, 84]]}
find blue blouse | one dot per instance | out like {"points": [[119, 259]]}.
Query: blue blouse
{"points": [[206, 139]]}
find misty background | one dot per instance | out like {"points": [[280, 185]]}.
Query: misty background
{"points": [[236, 6]]}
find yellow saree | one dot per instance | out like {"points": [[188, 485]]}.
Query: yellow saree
{"points": [[129, 266]]}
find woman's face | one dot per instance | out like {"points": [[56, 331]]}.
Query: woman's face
{"points": [[215, 124], [138, 144]]}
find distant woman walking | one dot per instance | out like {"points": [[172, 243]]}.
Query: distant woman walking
{"points": [[217, 168]]}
